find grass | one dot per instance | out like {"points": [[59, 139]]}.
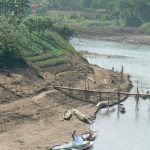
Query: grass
{"points": [[41, 57], [87, 18], [59, 68], [49, 62], [50, 51], [104, 23]]}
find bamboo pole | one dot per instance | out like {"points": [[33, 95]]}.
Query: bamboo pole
{"points": [[104, 92]]}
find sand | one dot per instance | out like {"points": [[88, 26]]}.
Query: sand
{"points": [[35, 120]]}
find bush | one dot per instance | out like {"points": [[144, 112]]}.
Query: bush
{"points": [[14, 41], [146, 27], [64, 31], [133, 22], [12, 60]]}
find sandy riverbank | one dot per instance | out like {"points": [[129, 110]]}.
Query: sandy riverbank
{"points": [[129, 35], [36, 122]]}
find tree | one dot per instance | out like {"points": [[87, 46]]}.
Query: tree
{"points": [[16, 7], [135, 11], [14, 41], [87, 3]]}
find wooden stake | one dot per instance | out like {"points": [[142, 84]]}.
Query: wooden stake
{"points": [[100, 96], [88, 86], [118, 96], [137, 96], [85, 88], [85, 82], [113, 69], [69, 87], [108, 103], [122, 73]]}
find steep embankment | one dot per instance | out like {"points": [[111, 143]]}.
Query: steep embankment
{"points": [[48, 55], [50, 52]]}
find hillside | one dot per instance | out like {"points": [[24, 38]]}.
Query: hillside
{"points": [[47, 50], [51, 52]]}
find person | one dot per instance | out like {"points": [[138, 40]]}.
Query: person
{"points": [[73, 135], [89, 136]]}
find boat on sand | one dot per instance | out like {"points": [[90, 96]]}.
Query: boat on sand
{"points": [[67, 115], [80, 116]]}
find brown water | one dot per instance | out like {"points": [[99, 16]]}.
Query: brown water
{"points": [[129, 131]]}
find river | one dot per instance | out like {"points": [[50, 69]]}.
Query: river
{"points": [[129, 131]]}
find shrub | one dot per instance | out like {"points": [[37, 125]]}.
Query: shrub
{"points": [[146, 27], [64, 31]]}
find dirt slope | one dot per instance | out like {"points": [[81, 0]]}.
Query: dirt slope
{"points": [[31, 109]]}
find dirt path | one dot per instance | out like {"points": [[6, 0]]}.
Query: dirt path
{"points": [[46, 131]]}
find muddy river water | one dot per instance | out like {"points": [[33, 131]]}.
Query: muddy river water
{"points": [[129, 131]]}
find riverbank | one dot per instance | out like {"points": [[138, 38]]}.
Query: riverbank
{"points": [[128, 35], [36, 122]]}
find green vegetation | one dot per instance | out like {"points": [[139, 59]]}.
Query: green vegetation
{"points": [[130, 13], [13, 41], [146, 27], [53, 50], [34, 40], [134, 12], [16, 7]]}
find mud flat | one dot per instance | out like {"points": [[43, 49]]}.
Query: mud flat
{"points": [[35, 121], [129, 35]]}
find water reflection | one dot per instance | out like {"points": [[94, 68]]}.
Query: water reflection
{"points": [[118, 114], [107, 111], [137, 108], [129, 131]]}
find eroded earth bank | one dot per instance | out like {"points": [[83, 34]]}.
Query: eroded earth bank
{"points": [[31, 108]]}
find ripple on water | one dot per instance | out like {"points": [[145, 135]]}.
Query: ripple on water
{"points": [[129, 131]]}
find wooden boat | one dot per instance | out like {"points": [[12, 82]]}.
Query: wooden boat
{"points": [[102, 104], [78, 144], [88, 146], [66, 147], [80, 116], [90, 136], [122, 108], [67, 115]]}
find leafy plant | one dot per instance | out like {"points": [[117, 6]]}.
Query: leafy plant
{"points": [[14, 39]]}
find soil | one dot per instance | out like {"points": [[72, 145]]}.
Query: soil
{"points": [[31, 109], [127, 35]]}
